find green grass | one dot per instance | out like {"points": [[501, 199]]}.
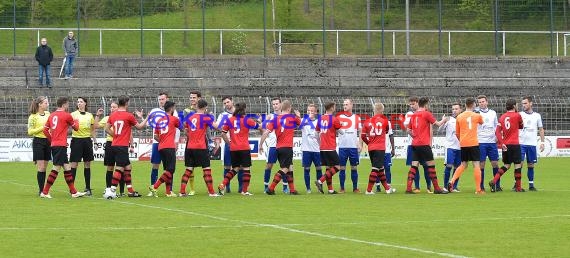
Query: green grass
{"points": [[505, 224], [347, 15]]}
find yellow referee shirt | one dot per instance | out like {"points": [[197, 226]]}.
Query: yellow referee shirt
{"points": [[86, 122], [102, 124], [36, 123]]}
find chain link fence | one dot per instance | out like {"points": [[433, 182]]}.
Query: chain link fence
{"points": [[14, 110]]}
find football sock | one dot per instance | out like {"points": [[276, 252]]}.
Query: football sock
{"points": [[388, 171], [285, 183], [168, 181], [457, 174], [518, 175], [226, 170], [41, 176], [319, 173], [377, 184], [266, 176], [354, 178], [117, 176], [50, 180], [456, 181], [342, 178], [482, 178], [427, 176], [74, 173], [372, 179], [501, 171], [208, 180], [153, 175], [290, 180], [276, 179], [165, 177], [530, 175], [495, 171], [433, 177], [87, 175], [446, 175], [108, 178], [122, 183], [240, 180], [478, 179], [411, 178], [246, 178], [184, 180], [416, 179], [382, 177], [69, 180], [307, 176], [228, 177], [191, 181], [129, 181]]}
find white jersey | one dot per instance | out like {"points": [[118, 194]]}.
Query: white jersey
{"points": [[225, 116], [271, 139], [162, 114], [350, 137], [486, 131], [532, 122], [406, 123], [451, 141], [310, 138], [390, 132]]}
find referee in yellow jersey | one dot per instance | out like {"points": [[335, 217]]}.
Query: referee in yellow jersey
{"points": [[81, 143], [40, 145]]}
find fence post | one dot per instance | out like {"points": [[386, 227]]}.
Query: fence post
{"points": [[382, 27], [279, 42], [504, 43], [264, 28], [324, 32], [496, 21], [221, 42], [407, 27], [552, 30], [393, 43], [38, 37], [337, 47], [449, 43], [142, 32], [439, 27], [100, 42], [160, 42], [14, 21], [203, 28]]}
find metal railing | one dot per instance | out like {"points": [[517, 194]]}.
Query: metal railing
{"points": [[332, 37]]}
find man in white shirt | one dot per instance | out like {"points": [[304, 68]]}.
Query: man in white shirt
{"points": [[487, 139], [310, 145], [532, 122], [452, 148], [349, 145]]}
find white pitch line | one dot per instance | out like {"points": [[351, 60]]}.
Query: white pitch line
{"points": [[413, 249]]}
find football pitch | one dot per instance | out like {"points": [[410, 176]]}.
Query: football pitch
{"points": [[504, 224]]}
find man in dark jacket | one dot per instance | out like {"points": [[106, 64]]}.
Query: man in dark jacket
{"points": [[44, 56]]}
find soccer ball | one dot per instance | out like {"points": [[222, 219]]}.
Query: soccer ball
{"points": [[109, 194]]}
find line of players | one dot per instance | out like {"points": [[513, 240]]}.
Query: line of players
{"points": [[319, 144]]}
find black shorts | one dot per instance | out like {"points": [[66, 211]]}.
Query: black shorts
{"points": [[59, 154], [109, 158], [196, 158], [81, 148], [422, 153], [168, 158], [41, 149], [121, 154], [240, 158], [377, 158], [472, 153], [285, 157], [329, 158], [513, 154]]}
